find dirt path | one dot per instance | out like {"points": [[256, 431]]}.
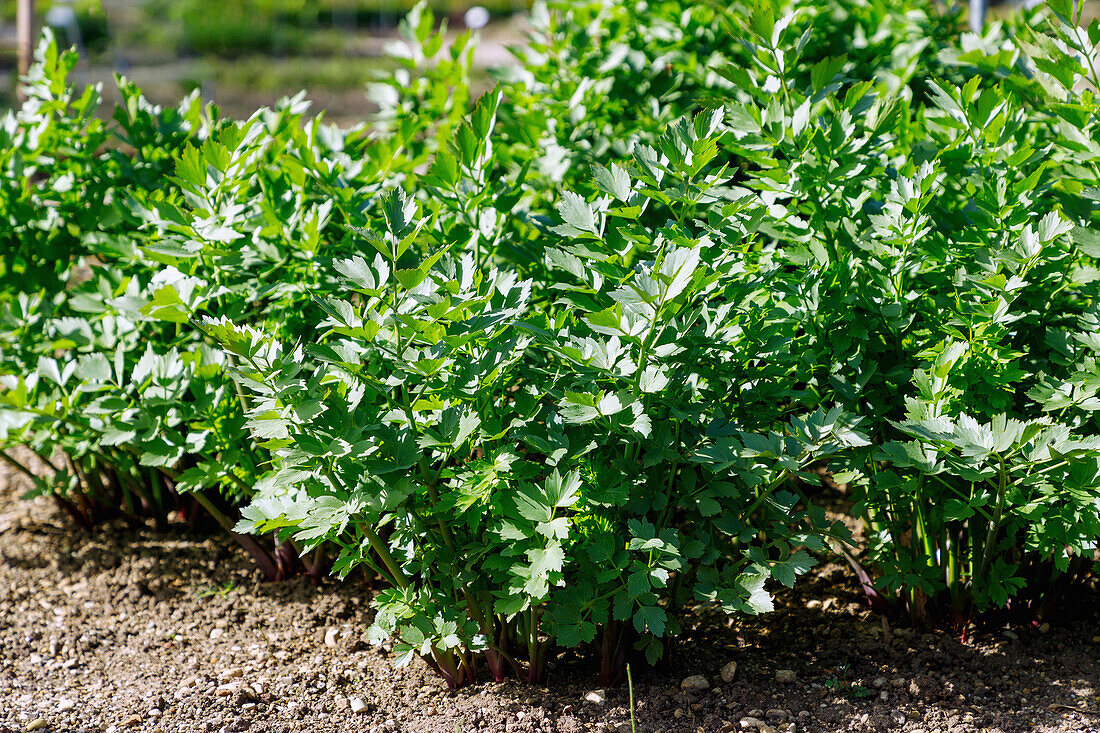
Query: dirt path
{"points": [[130, 630]]}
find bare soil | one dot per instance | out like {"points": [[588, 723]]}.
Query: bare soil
{"points": [[128, 629]]}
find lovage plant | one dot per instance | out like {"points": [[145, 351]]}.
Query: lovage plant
{"points": [[564, 361]]}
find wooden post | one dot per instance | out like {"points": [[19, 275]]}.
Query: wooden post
{"points": [[24, 34]]}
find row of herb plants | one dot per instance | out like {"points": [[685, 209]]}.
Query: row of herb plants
{"points": [[560, 362]]}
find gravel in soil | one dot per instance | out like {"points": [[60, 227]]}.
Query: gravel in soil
{"points": [[128, 629]]}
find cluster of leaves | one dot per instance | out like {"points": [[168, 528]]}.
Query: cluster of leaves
{"points": [[560, 361]]}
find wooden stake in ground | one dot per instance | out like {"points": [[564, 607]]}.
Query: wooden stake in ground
{"points": [[24, 32]]}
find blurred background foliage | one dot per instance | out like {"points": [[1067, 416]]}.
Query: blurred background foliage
{"points": [[246, 53]]}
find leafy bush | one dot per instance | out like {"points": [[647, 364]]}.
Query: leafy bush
{"points": [[561, 361]]}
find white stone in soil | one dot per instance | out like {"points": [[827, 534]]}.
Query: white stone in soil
{"points": [[596, 697], [330, 636], [230, 674], [358, 706]]}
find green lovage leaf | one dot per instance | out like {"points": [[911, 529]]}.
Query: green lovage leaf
{"points": [[614, 181], [399, 211], [578, 407], [577, 216], [166, 305]]}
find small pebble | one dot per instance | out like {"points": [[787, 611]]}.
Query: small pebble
{"points": [[879, 683], [330, 636], [358, 706], [37, 724], [216, 633], [597, 697], [230, 674], [695, 683], [1044, 628], [729, 672], [66, 704], [786, 676]]}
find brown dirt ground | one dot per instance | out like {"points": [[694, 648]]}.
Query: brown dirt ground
{"points": [[128, 630]]}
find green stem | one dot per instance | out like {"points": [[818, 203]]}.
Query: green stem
{"points": [[995, 525], [245, 403], [630, 688], [768, 492], [922, 524], [398, 575], [535, 651], [17, 465], [225, 522]]}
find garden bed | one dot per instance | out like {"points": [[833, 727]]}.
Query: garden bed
{"points": [[98, 631]]}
